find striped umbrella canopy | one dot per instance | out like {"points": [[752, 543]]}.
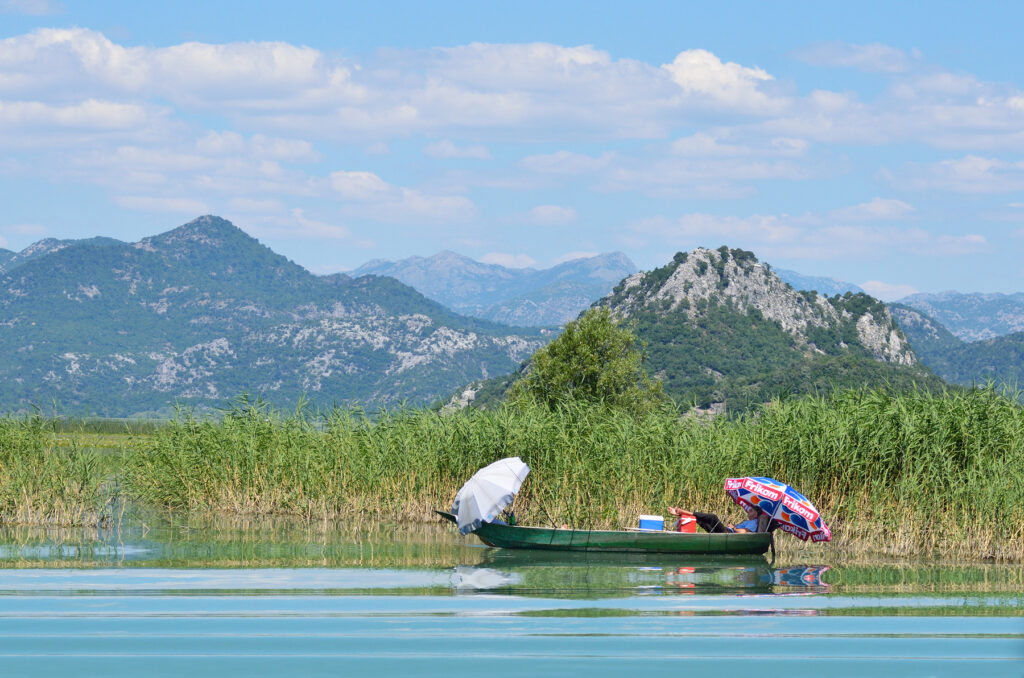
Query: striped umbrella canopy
{"points": [[791, 510]]}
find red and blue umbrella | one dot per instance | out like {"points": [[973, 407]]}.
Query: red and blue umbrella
{"points": [[793, 512]]}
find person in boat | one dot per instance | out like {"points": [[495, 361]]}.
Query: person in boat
{"points": [[757, 520]]}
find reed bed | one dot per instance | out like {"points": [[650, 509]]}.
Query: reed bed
{"points": [[44, 483], [897, 474]]}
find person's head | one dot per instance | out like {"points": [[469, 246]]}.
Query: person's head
{"points": [[753, 512]]}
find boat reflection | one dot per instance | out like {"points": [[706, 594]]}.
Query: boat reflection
{"points": [[612, 574]]}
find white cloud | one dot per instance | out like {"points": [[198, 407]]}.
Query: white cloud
{"points": [[359, 185], [970, 243], [808, 236], [162, 204], [509, 260], [707, 165], [520, 89], [258, 145], [970, 174], [704, 145], [318, 229], [447, 149], [888, 291], [94, 114], [876, 209], [565, 162], [874, 58], [699, 72], [698, 177], [509, 91], [551, 215], [374, 198]]}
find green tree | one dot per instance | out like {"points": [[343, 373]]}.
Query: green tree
{"points": [[593, 360]]}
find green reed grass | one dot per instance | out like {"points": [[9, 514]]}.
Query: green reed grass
{"points": [[899, 474], [42, 483]]}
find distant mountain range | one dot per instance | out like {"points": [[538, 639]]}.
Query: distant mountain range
{"points": [[204, 312], [999, 360], [827, 286], [972, 316], [514, 296]]}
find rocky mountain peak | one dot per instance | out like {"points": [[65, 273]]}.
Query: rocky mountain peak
{"points": [[694, 280], [208, 231]]}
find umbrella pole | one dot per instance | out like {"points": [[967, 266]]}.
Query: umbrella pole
{"points": [[769, 528]]}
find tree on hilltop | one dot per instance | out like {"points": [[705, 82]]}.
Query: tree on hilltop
{"points": [[594, 360]]}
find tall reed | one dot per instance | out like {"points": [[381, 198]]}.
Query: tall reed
{"points": [[43, 484], [902, 474]]}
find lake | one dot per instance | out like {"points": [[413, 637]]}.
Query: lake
{"points": [[280, 599]]}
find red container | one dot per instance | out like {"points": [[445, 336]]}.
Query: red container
{"points": [[686, 524]]}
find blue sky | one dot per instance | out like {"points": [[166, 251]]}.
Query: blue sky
{"points": [[879, 143]]}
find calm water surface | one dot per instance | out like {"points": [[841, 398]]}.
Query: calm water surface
{"points": [[280, 600]]}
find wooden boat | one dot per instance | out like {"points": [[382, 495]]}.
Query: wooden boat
{"points": [[619, 541]]}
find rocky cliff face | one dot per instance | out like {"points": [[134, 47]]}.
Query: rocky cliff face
{"points": [[735, 278]]}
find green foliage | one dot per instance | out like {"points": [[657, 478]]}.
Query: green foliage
{"points": [[858, 304], [593, 360], [43, 484], [909, 473], [743, 258], [999, 360], [743, 359]]}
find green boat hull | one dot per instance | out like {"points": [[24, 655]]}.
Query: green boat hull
{"points": [[620, 541]]}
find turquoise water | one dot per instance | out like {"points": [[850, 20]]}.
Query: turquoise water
{"points": [[259, 601]]}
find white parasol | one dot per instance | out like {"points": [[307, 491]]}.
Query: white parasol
{"points": [[490, 490]]}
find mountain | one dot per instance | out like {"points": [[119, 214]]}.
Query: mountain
{"points": [[972, 316], [827, 286], [523, 297], [44, 247], [1000, 359], [723, 331], [204, 312], [722, 328]]}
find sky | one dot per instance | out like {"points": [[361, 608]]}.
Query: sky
{"points": [[876, 143]]}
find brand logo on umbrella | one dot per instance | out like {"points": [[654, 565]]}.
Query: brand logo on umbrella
{"points": [[799, 507], [762, 490]]}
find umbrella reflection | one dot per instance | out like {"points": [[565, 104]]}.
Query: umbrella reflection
{"points": [[606, 577], [482, 578]]}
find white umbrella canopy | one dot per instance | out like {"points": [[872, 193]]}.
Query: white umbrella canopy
{"points": [[490, 490]]}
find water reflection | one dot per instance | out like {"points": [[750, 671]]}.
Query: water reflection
{"points": [[598, 575], [462, 566]]}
